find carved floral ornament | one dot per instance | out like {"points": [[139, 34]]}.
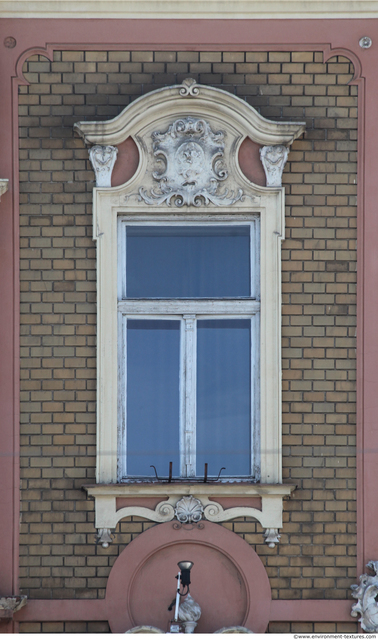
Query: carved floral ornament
{"points": [[192, 155], [366, 594]]}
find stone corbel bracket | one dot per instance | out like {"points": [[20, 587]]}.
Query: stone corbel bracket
{"points": [[103, 160], [4, 184], [189, 503], [273, 159]]}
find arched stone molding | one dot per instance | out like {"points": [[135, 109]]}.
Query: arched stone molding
{"points": [[178, 100]]}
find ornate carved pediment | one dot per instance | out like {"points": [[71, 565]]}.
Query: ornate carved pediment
{"points": [[190, 166]]}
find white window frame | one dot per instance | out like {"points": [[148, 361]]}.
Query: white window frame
{"points": [[238, 120], [188, 311]]}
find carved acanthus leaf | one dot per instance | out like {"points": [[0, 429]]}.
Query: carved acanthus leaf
{"points": [[103, 159], [274, 159], [191, 157], [366, 594]]}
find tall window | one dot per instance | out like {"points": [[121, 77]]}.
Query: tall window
{"points": [[188, 317]]}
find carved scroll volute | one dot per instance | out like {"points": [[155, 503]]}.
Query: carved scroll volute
{"points": [[103, 159], [273, 159]]}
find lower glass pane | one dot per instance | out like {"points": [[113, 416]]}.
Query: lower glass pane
{"points": [[153, 403], [224, 397]]}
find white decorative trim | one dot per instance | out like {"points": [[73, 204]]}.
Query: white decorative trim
{"points": [[4, 184], [273, 159], [186, 9], [104, 537], [103, 159], [272, 537], [237, 120], [188, 510], [178, 100], [192, 156], [367, 594], [189, 503]]}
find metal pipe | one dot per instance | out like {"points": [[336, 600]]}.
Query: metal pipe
{"points": [[177, 596]]}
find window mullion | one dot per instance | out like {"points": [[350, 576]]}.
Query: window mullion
{"points": [[190, 396]]}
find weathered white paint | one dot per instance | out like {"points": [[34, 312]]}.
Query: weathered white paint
{"points": [[225, 112], [270, 515]]}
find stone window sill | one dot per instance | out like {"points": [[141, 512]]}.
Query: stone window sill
{"points": [[189, 502]]}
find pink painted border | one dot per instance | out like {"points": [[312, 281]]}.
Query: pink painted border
{"points": [[333, 37], [280, 611]]}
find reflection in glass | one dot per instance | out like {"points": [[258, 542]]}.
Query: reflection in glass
{"points": [[153, 405], [188, 262], [223, 396]]}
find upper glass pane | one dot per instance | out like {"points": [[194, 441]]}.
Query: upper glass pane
{"points": [[188, 262]]}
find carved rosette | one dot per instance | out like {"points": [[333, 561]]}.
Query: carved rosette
{"points": [[103, 159], [366, 594], [273, 159], [188, 510], [191, 157]]}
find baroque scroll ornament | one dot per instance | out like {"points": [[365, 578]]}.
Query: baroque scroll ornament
{"points": [[367, 594], [191, 155]]}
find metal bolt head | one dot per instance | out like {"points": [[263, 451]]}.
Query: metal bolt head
{"points": [[365, 42]]}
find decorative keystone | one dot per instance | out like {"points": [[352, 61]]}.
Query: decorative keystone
{"points": [[189, 88], [189, 510]]}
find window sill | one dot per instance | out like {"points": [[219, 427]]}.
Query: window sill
{"points": [[189, 503]]}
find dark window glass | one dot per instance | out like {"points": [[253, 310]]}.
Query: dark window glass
{"points": [[153, 404], [188, 262], [223, 396]]}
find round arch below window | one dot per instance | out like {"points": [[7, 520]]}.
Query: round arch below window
{"points": [[228, 578]]}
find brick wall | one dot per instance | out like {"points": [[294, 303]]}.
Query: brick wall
{"points": [[59, 557]]}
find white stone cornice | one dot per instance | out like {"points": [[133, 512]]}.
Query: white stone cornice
{"points": [[185, 9], [200, 100]]}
